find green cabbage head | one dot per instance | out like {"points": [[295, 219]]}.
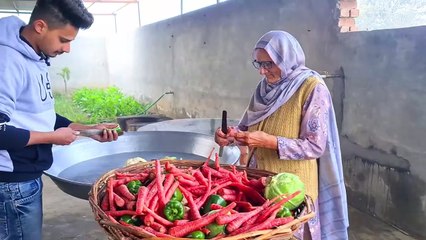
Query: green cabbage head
{"points": [[286, 183]]}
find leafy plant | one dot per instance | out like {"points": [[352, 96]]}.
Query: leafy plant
{"points": [[106, 104], [65, 107], [65, 74]]}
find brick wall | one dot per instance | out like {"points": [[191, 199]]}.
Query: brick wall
{"points": [[348, 12]]}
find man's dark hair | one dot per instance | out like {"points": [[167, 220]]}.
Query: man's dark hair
{"points": [[58, 13]]}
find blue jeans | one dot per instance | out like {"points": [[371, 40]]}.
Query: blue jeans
{"points": [[21, 210]]}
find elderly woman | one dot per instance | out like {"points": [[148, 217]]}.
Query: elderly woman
{"points": [[290, 126]]}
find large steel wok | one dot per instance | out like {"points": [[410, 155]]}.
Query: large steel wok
{"points": [[77, 166]]}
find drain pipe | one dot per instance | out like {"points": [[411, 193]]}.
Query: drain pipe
{"points": [[150, 106]]}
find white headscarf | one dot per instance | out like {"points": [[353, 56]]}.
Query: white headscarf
{"points": [[288, 55]]}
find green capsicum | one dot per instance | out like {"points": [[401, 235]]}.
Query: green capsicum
{"points": [[174, 210], [213, 199], [177, 195], [134, 186], [130, 220], [284, 212], [197, 235], [215, 229]]}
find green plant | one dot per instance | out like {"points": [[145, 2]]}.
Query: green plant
{"points": [[65, 74], [65, 107], [106, 104]]}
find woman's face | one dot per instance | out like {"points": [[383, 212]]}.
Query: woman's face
{"points": [[267, 67]]}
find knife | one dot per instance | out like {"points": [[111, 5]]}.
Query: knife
{"points": [[224, 129]]}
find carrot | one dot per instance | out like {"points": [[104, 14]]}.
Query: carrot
{"points": [[180, 222], [187, 182], [118, 200], [157, 234], [225, 219], [142, 194], [184, 175], [152, 191], [235, 224], [124, 192], [215, 206], [215, 173], [249, 192], [243, 206], [168, 182], [183, 230], [266, 224], [280, 221], [148, 220], [217, 162], [206, 163], [224, 191], [275, 206], [200, 178], [105, 203], [111, 194], [120, 213], [171, 191], [160, 179], [158, 227], [130, 205], [209, 187], [193, 208], [229, 197], [157, 217]]}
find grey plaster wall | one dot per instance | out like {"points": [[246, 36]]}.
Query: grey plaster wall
{"points": [[205, 56], [384, 122], [88, 64]]}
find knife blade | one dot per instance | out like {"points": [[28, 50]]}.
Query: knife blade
{"points": [[224, 129]]}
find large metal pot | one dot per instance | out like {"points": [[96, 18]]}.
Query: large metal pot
{"points": [[195, 125], [77, 166]]}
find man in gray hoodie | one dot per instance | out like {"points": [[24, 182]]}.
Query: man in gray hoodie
{"points": [[28, 122]]}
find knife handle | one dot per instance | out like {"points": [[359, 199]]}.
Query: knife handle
{"points": [[224, 122]]}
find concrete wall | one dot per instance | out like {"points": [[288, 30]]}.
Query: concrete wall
{"points": [[87, 62], [205, 58], [384, 122]]}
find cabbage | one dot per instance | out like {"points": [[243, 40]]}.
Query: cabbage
{"points": [[286, 183]]}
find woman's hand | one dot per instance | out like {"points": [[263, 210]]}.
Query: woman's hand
{"points": [[225, 139], [256, 139]]}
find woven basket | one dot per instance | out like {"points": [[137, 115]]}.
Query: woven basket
{"points": [[116, 231]]}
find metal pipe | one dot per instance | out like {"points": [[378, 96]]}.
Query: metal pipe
{"points": [[150, 106], [332, 76]]}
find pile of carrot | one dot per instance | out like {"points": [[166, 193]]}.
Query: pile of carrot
{"points": [[247, 209]]}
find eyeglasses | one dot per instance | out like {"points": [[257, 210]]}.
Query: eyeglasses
{"points": [[265, 65]]}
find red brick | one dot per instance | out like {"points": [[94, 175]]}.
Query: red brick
{"points": [[346, 22], [345, 13], [344, 29], [347, 4], [354, 12], [353, 29]]}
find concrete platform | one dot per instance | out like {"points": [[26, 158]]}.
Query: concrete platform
{"points": [[67, 217]]}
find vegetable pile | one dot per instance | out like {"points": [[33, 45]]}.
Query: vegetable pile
{"points": [[207, 202]]}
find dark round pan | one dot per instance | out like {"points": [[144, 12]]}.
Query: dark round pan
{"points": [[76, 167]]}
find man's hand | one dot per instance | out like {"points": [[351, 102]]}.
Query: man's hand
{"points": [[109, 132], [64, 136]]}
